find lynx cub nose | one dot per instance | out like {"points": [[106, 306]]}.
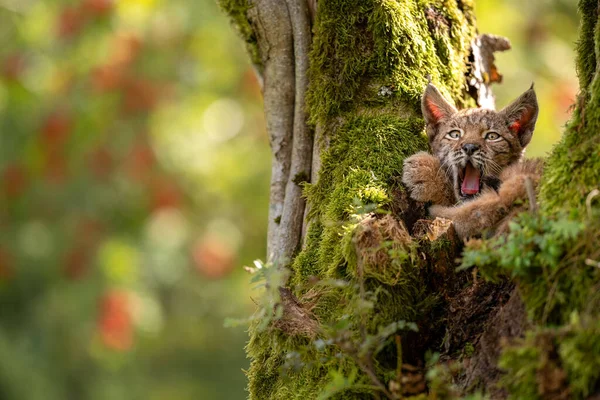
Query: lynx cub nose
{"points": [[470, 148]]}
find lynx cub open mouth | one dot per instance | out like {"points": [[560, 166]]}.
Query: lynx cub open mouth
{"points": [[470, 177]]}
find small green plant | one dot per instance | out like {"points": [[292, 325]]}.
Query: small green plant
{"points": [[539, 253], [268, 278]]}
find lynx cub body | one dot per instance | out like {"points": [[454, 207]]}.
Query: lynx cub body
{"points": [[476, 175]]}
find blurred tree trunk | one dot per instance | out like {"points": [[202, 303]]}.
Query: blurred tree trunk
{"points": [[368, 292]]}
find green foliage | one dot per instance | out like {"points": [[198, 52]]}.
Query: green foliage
{"points": [[579, 350], [541, 254], [341, 383], [270, 278], [553, 256], [564, 359], [521, 364], [551, 260]]}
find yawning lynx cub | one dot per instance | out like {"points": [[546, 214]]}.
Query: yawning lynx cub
{"points": [[476, 176]]}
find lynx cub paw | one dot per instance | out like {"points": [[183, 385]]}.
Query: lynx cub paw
{"points": [[424, 178]]}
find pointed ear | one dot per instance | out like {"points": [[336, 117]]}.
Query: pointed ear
{"points": [[434, 106], [521, 116]]}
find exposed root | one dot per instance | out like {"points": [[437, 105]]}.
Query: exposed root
{"points": [[297, 319]]}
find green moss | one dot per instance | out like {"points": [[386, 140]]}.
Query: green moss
{"points": [[238, 12], [360, 44], [586, 58], [469, 349], [306, 263], [572, 169], [365, 154]]}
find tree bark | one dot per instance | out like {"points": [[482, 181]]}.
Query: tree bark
{"points": [[354, 71]]}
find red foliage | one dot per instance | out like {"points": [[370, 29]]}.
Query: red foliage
{"points": [[115, 73], [165, 194], [56, 128], [141, 95], [564, 94], [15, 180], [115, 322], [108, 77], [71, 21], [126, 49], [13, 66], [212, 257], [98, 8]]}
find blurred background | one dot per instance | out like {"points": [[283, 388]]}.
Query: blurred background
{"points": [[134, 170]]}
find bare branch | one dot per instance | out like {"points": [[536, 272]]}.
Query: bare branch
{"points": [[312, 8], [294, 203], [271, 22], [483, 70]]}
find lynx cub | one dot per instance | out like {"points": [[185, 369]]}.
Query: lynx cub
{"points": [[476, 175]]}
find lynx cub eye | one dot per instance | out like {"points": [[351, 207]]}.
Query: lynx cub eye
{"points": [[492, 136], [454, 135]]}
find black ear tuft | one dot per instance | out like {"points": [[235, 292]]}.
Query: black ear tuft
{"points": [[521, 116], [434, 106]]}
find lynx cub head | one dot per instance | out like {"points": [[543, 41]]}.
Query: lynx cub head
{"points": [[474, 145]]}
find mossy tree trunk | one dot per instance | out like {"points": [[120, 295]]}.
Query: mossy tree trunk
{"points": [[371, 286]]}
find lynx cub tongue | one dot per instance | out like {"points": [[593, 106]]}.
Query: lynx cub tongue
{"points": [[470, 184]]}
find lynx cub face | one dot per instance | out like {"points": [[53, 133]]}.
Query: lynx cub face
{"points": [[475, 145]]}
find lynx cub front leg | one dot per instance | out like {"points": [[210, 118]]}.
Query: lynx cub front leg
{"points": [[473, 217], [426, 180]]}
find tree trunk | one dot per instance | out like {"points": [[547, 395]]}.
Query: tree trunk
{"points": [[372, 287]]}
